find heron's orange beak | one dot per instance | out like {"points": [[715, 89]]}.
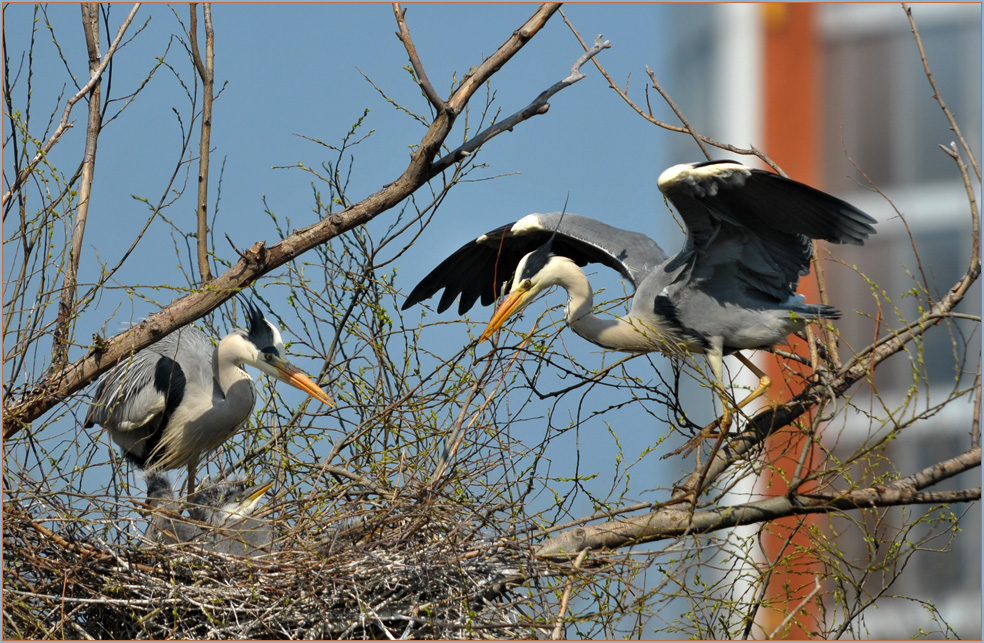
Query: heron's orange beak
{"points": [[513, 303], [296, 378]]}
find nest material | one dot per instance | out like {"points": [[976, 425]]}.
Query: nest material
{"points": [[408, 577]]}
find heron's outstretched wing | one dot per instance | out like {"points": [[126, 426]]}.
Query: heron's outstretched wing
{"points": [[480, 268], [749, 230]]}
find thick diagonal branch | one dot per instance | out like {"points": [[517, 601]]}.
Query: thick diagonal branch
{"points": [[673, 522]]}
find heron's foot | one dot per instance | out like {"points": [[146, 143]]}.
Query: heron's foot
{"points": [[723, 424], [691, 444]]}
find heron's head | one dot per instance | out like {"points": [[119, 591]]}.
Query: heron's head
{"points": [[536, 272], [221, 503], [263, 348]]}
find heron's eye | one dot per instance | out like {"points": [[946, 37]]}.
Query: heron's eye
{"points": [[527, 284]]}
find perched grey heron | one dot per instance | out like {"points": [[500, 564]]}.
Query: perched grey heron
{"points": [[181, 397], [219, 517], [731, 287]]}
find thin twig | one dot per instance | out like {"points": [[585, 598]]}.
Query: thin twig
{"points": [[558, 632], [679, 113], [64, 125], [936, 92], [535, 108], [206, 71], [792, 613]]}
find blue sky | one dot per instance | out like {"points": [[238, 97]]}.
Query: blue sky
{"points": [[297, 70]]}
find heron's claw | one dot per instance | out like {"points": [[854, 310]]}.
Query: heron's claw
{"points": [[724, 424]]}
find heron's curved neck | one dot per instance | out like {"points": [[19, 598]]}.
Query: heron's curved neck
{"points": [[227, 366], [616, 333]]}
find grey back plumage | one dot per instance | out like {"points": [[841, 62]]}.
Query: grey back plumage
{"points": [[134, 400]]}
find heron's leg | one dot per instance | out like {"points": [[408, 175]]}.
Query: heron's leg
{"points": [[192, 466], [764, 380], [715, 359]]}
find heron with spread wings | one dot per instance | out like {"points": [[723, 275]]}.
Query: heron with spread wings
{"points": [[731, 287]]}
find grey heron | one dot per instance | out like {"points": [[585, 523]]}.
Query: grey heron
{"points": [[181, 397], [731, 287], [220, 517]]}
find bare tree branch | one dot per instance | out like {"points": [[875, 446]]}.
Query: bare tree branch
{"points": [[679, 113], [206, 71], [700, 138], [937, 96], [63, 324], [535, 108], [668, 522], [418, 68]]}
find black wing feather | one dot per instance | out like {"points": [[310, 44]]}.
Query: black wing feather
{"points": [[478, 270]]}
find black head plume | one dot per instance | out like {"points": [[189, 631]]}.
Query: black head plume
{"points": [[260, 332]]}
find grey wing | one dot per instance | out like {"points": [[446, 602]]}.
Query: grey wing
{"points": [[132, 393], [482, 267], [750, 230], [126, 397]]}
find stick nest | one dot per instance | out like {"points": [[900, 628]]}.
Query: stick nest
{"points": [[411, 571]]}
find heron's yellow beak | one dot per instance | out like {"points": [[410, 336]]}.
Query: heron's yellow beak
{"points": [[258, 493], [296, 378], [513, 303]]}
